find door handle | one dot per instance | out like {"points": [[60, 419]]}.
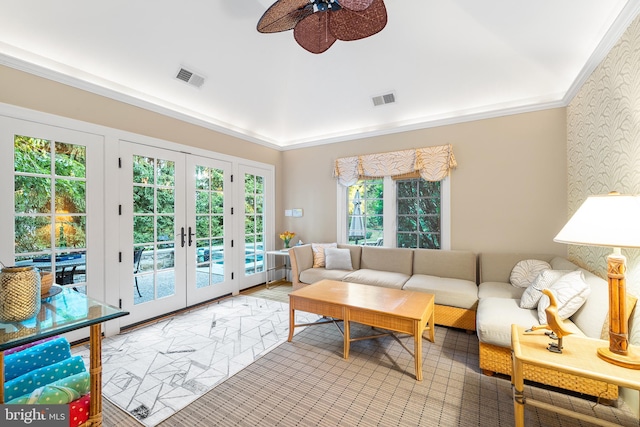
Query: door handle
{"points": [[191, 234], [182, 236]]}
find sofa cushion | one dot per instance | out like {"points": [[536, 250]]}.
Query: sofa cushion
{"points": [[338, 259], [387, 279], [525, 272], [356, 254], [560, 263], [570, 291], [318, 253], [499, 290], [495, 316], [447, 291], [497, 266], [397, 260], [533, 293], [313, 275], [593, 313], [452, 264], [302, 256]]}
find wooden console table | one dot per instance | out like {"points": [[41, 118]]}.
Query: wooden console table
{"points": [[65, 312], [579, 357]]}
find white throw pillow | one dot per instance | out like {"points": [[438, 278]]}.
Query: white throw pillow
{"points": [[337, 259], [526, 271], [533, 293], [318, 253], [571, 291]]}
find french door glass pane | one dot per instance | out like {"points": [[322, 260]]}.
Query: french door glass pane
{"points": [[50, 207], [254, 224], [209, 233], [153, 229]]}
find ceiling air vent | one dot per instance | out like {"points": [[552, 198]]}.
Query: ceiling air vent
{"points": [[190, 77], [389, 98]]}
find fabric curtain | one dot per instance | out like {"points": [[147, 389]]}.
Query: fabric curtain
{"points": [[432, 163], [435, 163], [346, 170]]}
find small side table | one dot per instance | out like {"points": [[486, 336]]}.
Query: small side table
{"points": [[286, 266], [579, 357]]}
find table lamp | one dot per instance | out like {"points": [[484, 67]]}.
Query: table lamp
{"points": [[611, 220]]}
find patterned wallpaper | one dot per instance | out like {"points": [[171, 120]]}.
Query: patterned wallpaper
{"points": [[603, 143]]}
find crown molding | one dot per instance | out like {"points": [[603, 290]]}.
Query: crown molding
{"points": [[97, 86], [620, 25]]}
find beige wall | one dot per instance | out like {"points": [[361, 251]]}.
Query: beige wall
{"points": [[29, 91], [507, 194]]}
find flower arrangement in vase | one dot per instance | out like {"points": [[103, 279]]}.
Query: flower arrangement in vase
{"points": [[286, 238]]}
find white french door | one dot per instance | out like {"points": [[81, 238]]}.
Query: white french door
{"points": [[173, 241], [256, 218], [208, 234], [152, 221], [53, 209], [176, 218]]}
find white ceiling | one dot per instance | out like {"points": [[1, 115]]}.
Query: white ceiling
{"points": [[445, 61]]}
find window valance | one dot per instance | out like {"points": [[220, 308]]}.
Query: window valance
{"points": [[432, 163]]}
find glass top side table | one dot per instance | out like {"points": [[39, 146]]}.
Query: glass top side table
{"points": [[286, 266], [65, 312]]}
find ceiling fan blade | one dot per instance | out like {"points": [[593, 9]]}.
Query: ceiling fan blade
{"points": [[356, 5], [284, 15], [348, 25], [312, 33]]}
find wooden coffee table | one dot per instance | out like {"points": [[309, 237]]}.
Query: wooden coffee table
{"points": [[389, 309]]}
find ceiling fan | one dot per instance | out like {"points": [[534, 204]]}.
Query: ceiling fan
{"points": [[317, 24]]}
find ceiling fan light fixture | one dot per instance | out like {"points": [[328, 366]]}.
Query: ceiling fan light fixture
{"points": [[312, 33], [284, 15], [317, 24], [356, 5], [348, 25], [325, 5]]}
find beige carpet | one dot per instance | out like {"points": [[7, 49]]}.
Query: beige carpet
{"points": [[308, 383]]}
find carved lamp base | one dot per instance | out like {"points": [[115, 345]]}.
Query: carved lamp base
{"points": [[631, 360]]}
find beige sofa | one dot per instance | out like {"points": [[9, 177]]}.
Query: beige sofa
{"points": [[449, 275], [490, 308], [499, 307]]}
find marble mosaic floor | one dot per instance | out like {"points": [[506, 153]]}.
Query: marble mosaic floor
{"points": [[154, 371]]}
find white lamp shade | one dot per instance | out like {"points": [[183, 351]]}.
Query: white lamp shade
{"points": [[608, 220]]}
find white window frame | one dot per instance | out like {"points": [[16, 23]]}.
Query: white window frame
{"points": [[390, 218]]}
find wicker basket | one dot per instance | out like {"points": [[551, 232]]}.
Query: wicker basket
{"points": [[19, 293], [46, 281]]}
